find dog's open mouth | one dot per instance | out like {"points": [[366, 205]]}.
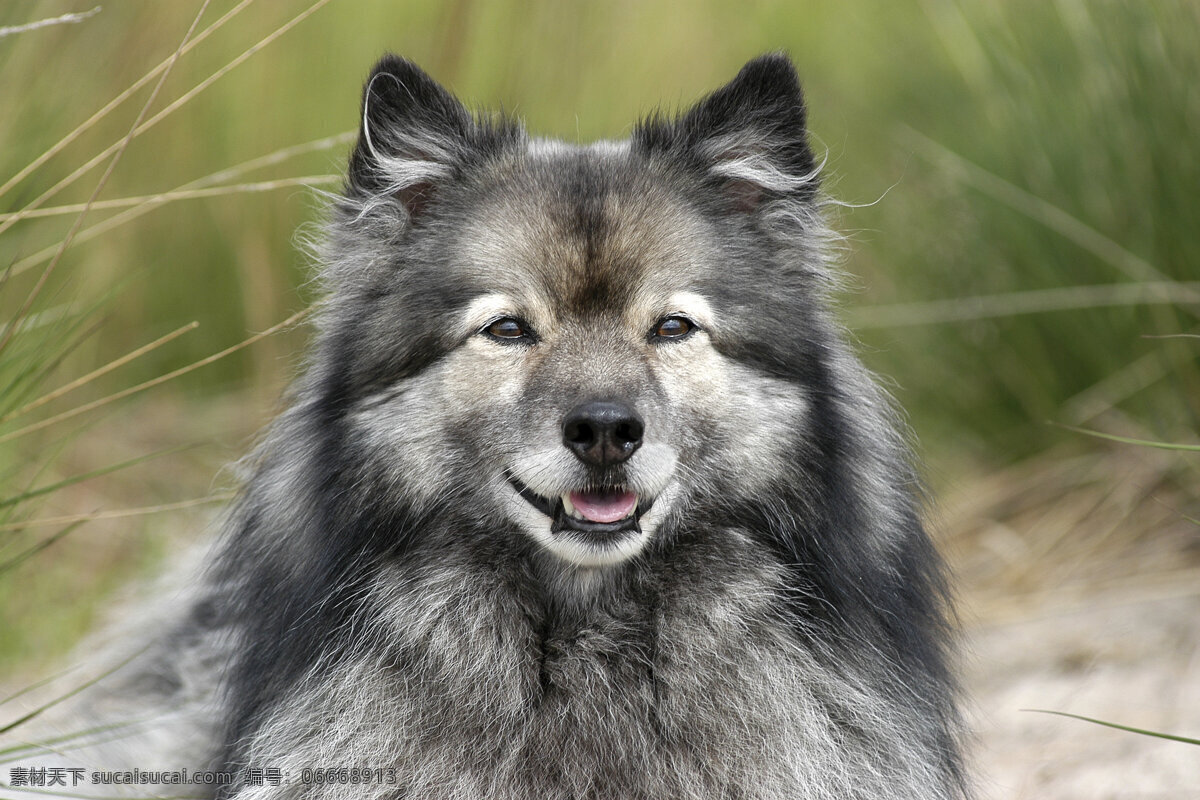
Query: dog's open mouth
{"points": [[601, 514]]}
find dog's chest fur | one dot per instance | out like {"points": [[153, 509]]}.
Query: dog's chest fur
{"points": [[470, 690]]}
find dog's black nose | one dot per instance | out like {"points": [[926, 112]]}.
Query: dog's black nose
{"points": [[602, 432]]}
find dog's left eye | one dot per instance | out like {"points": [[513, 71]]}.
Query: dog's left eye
{"points": [[509, 329], [674, 327]]}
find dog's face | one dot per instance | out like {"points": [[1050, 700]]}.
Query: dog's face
{"points": [[572, 341], [595, 349]]}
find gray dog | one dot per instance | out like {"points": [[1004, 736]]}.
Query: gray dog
{"points": [[583, 494]]}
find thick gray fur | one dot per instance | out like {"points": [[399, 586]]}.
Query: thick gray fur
{"points": [[386, 599]]}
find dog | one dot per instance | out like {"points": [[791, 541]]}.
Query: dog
{"points": [[582, 493]]}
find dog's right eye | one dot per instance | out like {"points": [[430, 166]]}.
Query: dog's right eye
{"points": [[509, 329]]}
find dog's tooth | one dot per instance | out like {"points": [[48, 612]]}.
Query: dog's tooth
{"points": [[569, 507]]}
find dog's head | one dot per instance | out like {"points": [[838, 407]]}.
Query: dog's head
{"points": [[584, 343]]}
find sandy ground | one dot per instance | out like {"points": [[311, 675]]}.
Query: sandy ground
{"points": [[1080, 594], [1129, 657]]}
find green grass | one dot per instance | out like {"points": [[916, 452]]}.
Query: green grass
{"points": [[1049, 156]]}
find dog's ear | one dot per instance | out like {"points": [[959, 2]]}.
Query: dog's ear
{"points": [[414, 135], [749, 136]]}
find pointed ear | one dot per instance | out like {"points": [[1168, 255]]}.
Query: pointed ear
{"points": [[414, 134], [749, 136]]}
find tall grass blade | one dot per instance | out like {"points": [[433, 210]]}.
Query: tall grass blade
{"points": [[1035, 208], [130, 215], [44, 544], [1141, 731], [30, 688], [21, 720], [119, 513], [182, 194], [1191, 448], [96, 373], [64, 19], [80, 738], [1036, 301], [85, 476], [29, 369]]}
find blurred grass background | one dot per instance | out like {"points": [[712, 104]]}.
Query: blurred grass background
{"points": [[1027, 174]]}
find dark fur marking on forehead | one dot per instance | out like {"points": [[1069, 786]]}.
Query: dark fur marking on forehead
{"points": [[589, 190], [598, 280]]}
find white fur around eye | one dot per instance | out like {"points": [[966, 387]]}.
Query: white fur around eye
{"points": [[696, 305], [485, 310]]}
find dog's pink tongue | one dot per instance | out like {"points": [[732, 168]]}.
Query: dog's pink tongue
{"points": [[604, 506]]}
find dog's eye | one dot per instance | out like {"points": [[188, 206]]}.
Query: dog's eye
{"points": [[672, 328], [509, 329]]}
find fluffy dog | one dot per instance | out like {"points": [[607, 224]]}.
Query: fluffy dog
{"points": [[583, 493]]}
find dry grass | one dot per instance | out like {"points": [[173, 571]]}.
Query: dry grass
{"points": [[1068, 527]]}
